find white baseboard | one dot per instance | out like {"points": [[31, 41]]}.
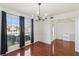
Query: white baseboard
{"points": [[45, 42]]}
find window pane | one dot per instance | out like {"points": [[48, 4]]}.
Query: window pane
{"points": [[12, 30], [27, 29]]}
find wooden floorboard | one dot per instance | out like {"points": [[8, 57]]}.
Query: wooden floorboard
{"points": [[56, 48]]}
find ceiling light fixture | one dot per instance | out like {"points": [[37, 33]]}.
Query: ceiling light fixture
{"points": [[39, 17]]}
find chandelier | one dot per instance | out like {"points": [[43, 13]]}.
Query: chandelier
{"points": [[39, 17]]}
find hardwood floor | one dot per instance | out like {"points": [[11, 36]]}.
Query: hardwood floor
{"points": [[57, 48], [63, 48]]}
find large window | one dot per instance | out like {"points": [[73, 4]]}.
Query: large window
{"points": [[13, 30], [27, 29]]}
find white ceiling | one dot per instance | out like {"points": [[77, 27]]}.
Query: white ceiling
{"points": [[50, 8]]}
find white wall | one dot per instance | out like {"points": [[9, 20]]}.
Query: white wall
{"points": [[45, 33], [37, 31], [65, 30]]}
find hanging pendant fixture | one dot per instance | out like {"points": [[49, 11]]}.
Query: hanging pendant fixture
{"points": [[39, 17]]}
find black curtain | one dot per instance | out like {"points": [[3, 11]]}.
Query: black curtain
{"points": [[3, 33], [22, 33], [32, 30]]}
